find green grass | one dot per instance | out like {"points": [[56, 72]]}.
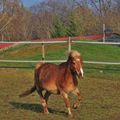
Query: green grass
{"points": [[59, 51], [99, 52], [100, 88], [105, 53]]}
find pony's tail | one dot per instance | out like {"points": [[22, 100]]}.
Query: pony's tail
{"points": [[27, 92]]}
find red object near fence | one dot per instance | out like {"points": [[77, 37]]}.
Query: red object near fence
{"points": [[91, 37], [4, 45]]}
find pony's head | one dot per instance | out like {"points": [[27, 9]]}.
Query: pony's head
{"points": [[76, 63]]}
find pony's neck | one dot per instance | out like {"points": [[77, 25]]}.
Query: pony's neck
{"points": [[72, 73], [69, 68]]}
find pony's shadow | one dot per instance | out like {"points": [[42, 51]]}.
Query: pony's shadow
{"points": [[35, 108]]}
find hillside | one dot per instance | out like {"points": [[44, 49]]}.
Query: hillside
{"points": [[59, 51], [106, 53]]}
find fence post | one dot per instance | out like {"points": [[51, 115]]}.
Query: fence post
{"points": [[103, 32], [69, 44], [43, 51]]}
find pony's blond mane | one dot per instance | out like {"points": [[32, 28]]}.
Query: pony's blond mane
{"points": [[74, 53]]}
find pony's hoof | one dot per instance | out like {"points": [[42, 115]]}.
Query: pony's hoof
{"points": [[71, 115], [46, 112]]}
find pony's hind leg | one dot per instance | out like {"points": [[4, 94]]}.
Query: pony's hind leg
{"points": [[43, 102], [77, 93], [47, 94]]}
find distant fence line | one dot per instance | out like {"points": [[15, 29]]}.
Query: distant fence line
{"points": [[69, 43], [65, 41]]}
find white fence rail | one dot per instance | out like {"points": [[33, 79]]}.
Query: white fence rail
{"points": [[31, 61], [69, 48], [36, 42], [100, 43], [57, 61]]}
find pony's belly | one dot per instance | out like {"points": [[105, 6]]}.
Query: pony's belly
{"points": [[54, 92], [52, 88], [68, 87]]}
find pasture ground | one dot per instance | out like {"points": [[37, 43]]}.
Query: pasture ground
{"points": [[100, 92], [100, 88]]}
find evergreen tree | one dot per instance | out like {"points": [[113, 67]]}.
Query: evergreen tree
{"points": [[59, 29], [72, 27]]}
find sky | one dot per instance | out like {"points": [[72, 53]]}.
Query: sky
{"points": [[29, 3]]}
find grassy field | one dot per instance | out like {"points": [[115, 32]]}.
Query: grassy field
{"points": [[100, 88]]}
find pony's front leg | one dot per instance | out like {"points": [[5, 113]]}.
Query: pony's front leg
{"points": [[67, 102], [77, 93]]}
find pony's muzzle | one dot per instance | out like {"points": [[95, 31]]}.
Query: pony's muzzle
{"points": [[82, 73]]}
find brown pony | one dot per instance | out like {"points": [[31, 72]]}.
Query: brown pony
{"points": [[58, 79]]}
